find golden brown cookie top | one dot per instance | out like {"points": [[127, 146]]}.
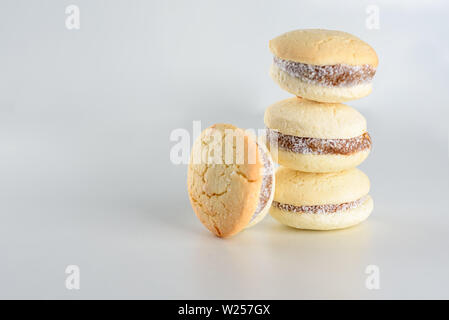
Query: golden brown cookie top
{"points": [[224, 178], [323, 47], [305, 118]]}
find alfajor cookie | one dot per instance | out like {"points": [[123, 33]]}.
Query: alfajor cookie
{"points": [[323, 65], [321, 201], [316, 137], [230, 179]]}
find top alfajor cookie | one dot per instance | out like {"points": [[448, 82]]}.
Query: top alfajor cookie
{"points": [[323, 65]]}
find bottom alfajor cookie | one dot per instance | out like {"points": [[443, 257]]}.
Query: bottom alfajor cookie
{"points": [[321, 201]]}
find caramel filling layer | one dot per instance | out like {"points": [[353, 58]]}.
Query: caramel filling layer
{"points": [[338, 75], [323, 208], [318, 146]]}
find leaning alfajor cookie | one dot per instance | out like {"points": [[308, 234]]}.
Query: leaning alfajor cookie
{"points": [[323, 65], [321, 201], [316, 137], [230, 179]]}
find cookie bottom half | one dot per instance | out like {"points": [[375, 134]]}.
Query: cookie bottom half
{"points": [[318, 162], [324, 221]]}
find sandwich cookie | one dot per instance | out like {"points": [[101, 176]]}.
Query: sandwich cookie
{"points": [[323, 65], [230, 179], [321, 201], [316, 137]]}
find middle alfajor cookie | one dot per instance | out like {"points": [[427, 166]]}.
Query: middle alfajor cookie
{"points": [[315, 137]]}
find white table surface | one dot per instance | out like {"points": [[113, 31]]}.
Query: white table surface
{"points": [[86, 178]]}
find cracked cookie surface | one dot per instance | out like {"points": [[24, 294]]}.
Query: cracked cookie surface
{"points": [[224, 179]]}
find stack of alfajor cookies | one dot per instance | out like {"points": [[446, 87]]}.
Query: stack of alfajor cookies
{"points": [[318, 141]]}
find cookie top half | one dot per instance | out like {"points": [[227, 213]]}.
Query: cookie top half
{"points": [[305, 118], [323, 47], [225, 179], [309, 189]]}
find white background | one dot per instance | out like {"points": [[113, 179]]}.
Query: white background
{"points": [[85, 172]]}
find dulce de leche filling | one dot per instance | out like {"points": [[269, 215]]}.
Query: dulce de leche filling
{"points": [[267, 184], [306, 145], [323, 208], [337, 75]]}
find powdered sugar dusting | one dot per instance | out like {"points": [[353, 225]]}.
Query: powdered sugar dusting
{"points": [[324, 208], [267, 184]]}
